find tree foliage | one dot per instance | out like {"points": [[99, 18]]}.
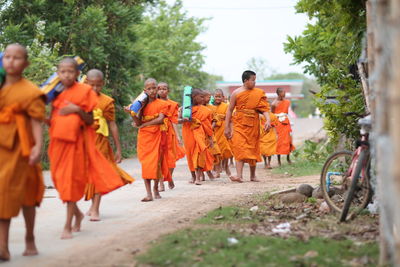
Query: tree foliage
{"points": [[169, 49], [330, 47]]}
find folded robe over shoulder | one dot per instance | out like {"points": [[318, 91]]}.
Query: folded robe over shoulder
{"points": [[195, 137], [284, 130], [74, 159], [105, 110], [20, 183], [152, 146], [245, 143]]}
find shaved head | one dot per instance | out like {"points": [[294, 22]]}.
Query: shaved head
{"points": [[279, 90], [150, 80], [219, 91], [68, 61], [197, 91], [18, 47], [163, 84], [94, 74]]}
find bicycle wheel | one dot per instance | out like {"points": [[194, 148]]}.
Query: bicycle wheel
{"points": [[335, 182], [359, 187]]}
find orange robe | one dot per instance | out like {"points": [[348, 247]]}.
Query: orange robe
{"points": [[195, 137], [268, 139], [105, 111], [219, 129], [74, 158], [245, 143], [283, 129], [175, 151], [215, 148], [152, 146], [20, 183]]}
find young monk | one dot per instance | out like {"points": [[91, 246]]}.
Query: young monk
{"points": [[74, 159], [280, 107], [22, 110], [215, 148], [244, 135], [175, 149], [197, 137], [219, 127], [152, 147], [268, 140], [104, 119]]}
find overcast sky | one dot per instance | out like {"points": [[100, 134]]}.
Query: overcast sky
{"points": [[242, 29]]}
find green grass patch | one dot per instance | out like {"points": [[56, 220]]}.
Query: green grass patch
{"points": [[228, 215], [209, 247], [299, 168]]}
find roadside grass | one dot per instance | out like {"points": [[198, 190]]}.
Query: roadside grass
{"points": [[210, 247], [228, 215], [301, 167]]}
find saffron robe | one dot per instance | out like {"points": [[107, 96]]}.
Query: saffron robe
{"points": [[152, 146], [20, 183], [104, 113], [268, 139], [74, 159], [283, 129], [195, 136], [175, 151], [219, 129], [245, 143]]}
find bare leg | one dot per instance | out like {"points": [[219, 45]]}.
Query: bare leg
{"points": [[78, 218], [288, 159], [95, 209], [67, 232], [171, 183], [149, 197], [265, 162], [279, 160], [210, 175], [253, 177], [193, 177], [231, 162], [202, 176], [29, 217], [4, 231], [156, 191], [162, 187], [226, 167], [199, 175], [269, 162], [217, 170], [239, 172]]}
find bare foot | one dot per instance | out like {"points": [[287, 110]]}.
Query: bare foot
{"points": [[78, 221], [210, 175], [89, 212], [216, 174], [254, 179], [268, 167], [147, 199], [157, 195], [66, 234], [236, 179], [197, 183], [171, 185], [161, 187], [95, 217], [228, 172], [4, 254], [191, 182], [30, 248]]}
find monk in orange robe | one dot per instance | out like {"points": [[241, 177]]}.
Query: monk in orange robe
{"points": [[197, 137], [268, 140], [22, 110], [152, 146], [219, 127], [280, 107], [74, 159], [215, 148], [175, 145], [244, 136], [104, 119]]}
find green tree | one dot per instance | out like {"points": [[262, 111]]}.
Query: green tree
{"points": [[169, 50], [329, 48], [261, 67]]}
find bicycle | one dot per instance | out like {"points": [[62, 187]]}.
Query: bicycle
{"points": [[345, 180]]}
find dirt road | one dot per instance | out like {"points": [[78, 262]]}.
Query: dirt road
{"points": [[128, 225]]}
